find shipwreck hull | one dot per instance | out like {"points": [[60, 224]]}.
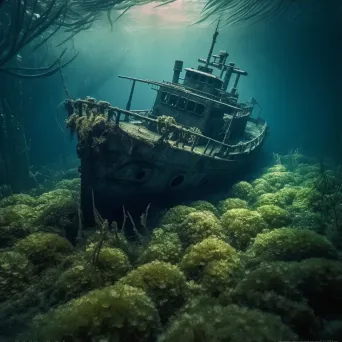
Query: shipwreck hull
{"points": [[133, 167]]}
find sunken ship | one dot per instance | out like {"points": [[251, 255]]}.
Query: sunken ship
{"points": [[197, 138]]}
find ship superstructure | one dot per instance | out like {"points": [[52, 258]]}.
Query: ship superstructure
{"points": [[197, 135]]}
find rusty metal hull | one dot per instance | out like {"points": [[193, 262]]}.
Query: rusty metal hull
{"points": [[127, 170]]}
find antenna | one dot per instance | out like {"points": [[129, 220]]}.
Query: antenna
{"points": [[216, 33]]}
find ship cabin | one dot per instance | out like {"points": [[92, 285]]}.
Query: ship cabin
{"points": [[202, 81]]}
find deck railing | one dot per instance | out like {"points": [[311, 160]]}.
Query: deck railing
{"points": [[190, 139]]}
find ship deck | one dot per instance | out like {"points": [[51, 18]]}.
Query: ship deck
{"points": [[142, 133]]}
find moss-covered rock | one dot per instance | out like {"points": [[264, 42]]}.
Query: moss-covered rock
{"points": [[76, 281], [164, 246], [163, 282], [112, 262], [269, 199], [121, 311], [306, 199], [286, 196], [274, 216], [290, 244], [204, 206], [16, 272], [198, 256], [244, 191], [219, 275], [317, 281], [199, 225], [241, 225], [176, 214], [44, 249], [69, 184], [18, 199], [55, 197], [17, 214], [261, 186], [211, 322], [279, 179], [232, 203]]}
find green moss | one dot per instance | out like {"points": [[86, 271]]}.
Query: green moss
{"points": [[112, 262], [76, 281], [270, 199], [15, 273], [286, 196], [320, 282], [163, 282], [199, 225], [317, 281], [18, 214], [55, 197], [69, 184], [60, 217], [204, 206], [306, 199], [44, 249], [261, 187], [274, 216], [279, 179], [18, 199], [177, 214], [276, 168], [244, 191], [120, 311], [289, 244], [232, 203], [211, 322], [198, 256], [241, 225], [295, 314], [164, 246], [304, 169], [219, 275]]}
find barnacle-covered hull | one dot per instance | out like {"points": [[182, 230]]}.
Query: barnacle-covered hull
{"points": [[128, 165]]}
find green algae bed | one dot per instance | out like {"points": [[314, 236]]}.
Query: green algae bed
{"points": [[262, 264]]}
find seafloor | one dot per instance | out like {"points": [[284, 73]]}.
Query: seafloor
{"points": [[263, 264]]}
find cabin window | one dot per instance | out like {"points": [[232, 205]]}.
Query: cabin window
{"points": [[195, 77], [203, 79], [173, 100], [181, 104], [188, 75], [199, 109], [210, 80], [165, 97], [190, 106]]}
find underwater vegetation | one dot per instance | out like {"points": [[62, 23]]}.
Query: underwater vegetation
{"points": [[263, 263]]}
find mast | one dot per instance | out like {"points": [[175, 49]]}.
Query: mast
{"points": [[212, 44]]}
